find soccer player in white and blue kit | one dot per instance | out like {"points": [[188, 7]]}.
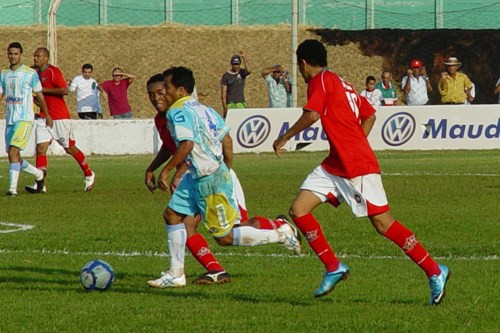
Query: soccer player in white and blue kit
{"points": [[202, 140], [17, 84]]}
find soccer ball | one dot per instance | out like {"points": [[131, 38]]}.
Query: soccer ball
{"points": [[97, 275]]}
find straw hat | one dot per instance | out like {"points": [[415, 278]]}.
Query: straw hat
{"points": [[452, 61]]}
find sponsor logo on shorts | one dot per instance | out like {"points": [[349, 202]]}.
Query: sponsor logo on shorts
{"points": [[253, 131], [398, 129]]}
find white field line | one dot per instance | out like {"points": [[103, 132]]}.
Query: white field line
{"points": [[154, 254]]}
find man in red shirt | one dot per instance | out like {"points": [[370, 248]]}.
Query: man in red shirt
{"points": [[350, 172], [54, 88], [115, 92]]}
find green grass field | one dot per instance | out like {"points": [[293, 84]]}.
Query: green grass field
{"points": [[450, 199]]}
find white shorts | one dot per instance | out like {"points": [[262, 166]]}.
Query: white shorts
{"points": [[364, 194], [61, 131], [239, 197]]}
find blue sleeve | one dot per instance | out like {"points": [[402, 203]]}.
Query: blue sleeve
{"points": [[182, 125]]}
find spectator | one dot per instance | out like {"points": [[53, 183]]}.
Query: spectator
{"points": [[87, 94], [454, 87], [416, 84], [497, 90], [233, 84], [388, 89], [115, 92], [278, 86], [372, 94], [472, 94]]}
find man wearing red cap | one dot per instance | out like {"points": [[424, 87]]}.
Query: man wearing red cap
{"points": [[416, 84]]}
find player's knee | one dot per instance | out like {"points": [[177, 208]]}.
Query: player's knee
{"points": [[170, 217], [224, 241]]}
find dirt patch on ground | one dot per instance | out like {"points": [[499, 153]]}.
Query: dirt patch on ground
{"points": [[145, 51]]}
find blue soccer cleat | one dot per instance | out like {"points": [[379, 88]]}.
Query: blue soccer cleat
{"points": [[331, 279], [438, 284]]}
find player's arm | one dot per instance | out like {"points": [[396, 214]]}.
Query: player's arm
{"points": [[180, 155], [149, 176], [55, 91], [307, 119], [223, 99], [368, 123], [43, 108], [227, 150]]}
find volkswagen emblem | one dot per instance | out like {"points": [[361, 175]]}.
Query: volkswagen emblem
{"points": [[398, 129], [253, 131]]}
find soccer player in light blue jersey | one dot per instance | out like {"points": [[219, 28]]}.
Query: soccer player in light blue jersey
{"points": [[204, 145], [17, 85]]}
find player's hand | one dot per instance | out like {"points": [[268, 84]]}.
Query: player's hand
{"points": [[278, 146], [48, 121], [150, 181], [163, 180], [176, 179]]}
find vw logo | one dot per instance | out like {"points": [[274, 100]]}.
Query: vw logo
{"points": [[253, 131], [398, 129]]}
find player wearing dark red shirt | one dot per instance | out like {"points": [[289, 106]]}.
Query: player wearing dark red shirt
{"points": [[350, 172]]}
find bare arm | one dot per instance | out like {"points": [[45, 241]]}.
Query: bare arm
{"points": [[43, 108], [245, 61], [223, 99], [306, 120], [368, 123], [227, 150], [179, 156], [55, 91], [149, 176], [266, 71], [407, 86]]}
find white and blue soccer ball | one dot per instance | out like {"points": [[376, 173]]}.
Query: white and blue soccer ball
{"points": [[97, 275]]}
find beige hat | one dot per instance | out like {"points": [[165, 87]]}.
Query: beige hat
{"points": [[452, 61]]}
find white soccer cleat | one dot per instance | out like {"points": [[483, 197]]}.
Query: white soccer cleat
{"points": [[168, 280], [89, 182], [289, 237]]}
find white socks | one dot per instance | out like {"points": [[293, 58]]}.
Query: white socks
{"points": [[249, 236], [176, 242]]}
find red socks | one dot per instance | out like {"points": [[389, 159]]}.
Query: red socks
{"points": [[406, 240], [268, 224], [199, 248], [41, 162], [312, 231], [82, 162]]}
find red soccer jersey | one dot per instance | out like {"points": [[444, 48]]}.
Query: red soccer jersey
{"points": [[166, 138], [52, 77], [342, 110]]}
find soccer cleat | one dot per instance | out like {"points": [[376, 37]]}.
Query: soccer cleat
{"points": [[167, 280], [213, 277], [438, 284], [11, 194], [331, 279], [289, 235], [38, 187], [89, 182]]}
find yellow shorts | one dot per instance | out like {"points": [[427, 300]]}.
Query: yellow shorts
{"points": [[17, 135]]}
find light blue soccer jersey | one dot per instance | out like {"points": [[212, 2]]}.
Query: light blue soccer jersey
{"points": [[190, 120], [17, 87]]}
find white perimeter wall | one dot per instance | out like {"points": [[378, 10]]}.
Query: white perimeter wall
{"points": [[254, 130]]}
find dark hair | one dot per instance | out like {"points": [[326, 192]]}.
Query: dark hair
{"points": [[44, 50], [313, 52], [87, 66], [156, 78], [15, 45], [181, 77], [370, 78], [116, 69]]}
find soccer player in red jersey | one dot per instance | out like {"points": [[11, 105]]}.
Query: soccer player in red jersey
{"points": [[54, 87], [350, 173]]}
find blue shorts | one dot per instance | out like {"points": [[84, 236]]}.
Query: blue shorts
{"points": [[17, 135], [210, 196]]}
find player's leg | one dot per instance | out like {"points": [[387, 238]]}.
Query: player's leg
{"points": [[198, 246], [65, 137], [43, 139], [403, 237], [317, 188]]}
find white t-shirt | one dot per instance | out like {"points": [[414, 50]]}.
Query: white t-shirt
{"points": [[374, 97], [87, 95]]}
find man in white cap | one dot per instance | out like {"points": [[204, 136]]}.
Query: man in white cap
{"points": [[454, 87]]}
